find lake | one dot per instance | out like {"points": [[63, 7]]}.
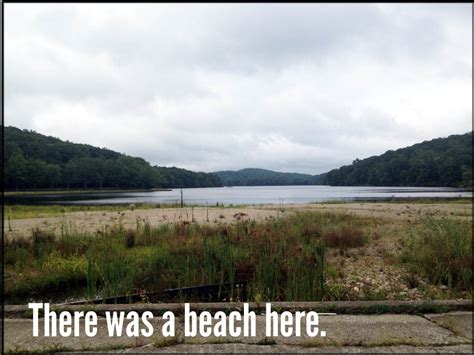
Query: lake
{"points": [[246, 195]]}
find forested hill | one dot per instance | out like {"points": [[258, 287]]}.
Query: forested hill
{"points": [[262, 177], [438, 162], [33, 160]]}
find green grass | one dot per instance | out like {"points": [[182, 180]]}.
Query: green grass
{"points": [[441, 249], [430, 200], [13, 212], [411, 200], [43, 211]]}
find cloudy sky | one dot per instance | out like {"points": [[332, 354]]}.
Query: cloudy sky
{"points": [[301, 87]]}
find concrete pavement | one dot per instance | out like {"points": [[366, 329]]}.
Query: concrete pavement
{"points": [[441, 332]]}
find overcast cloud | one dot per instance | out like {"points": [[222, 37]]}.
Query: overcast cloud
{"points": [[304, 87]]}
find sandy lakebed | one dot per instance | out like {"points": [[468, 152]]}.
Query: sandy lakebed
{"points": [[95, 221]]}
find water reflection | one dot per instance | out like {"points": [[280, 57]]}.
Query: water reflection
{"points": [[246, 195]]}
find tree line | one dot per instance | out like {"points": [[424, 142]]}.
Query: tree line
{"points": [[438, 162], [263, 177], [34, 161]]}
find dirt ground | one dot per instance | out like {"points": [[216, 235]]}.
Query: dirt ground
{"points": [[92, 222], [398, 211]]}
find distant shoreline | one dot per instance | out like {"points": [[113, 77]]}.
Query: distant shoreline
{"points": [[76, 191]]}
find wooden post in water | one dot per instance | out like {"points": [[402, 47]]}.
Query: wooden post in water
{"points": [[182, 202]]}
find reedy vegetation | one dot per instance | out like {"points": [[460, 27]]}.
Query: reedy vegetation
{"points": [[281, 259], [441, 248]]}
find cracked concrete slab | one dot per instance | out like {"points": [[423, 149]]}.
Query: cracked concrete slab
{"points": [[250, 348], [18, 337], [361, 330], [459, 323], [349, 332]]}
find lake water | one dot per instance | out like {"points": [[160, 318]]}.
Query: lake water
{"points": [[248, 195]]}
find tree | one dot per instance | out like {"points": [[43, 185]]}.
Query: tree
{"points": [[54, 174], [16, 169]]}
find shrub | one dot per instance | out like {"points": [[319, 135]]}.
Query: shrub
{"points": [[343, 237]]}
